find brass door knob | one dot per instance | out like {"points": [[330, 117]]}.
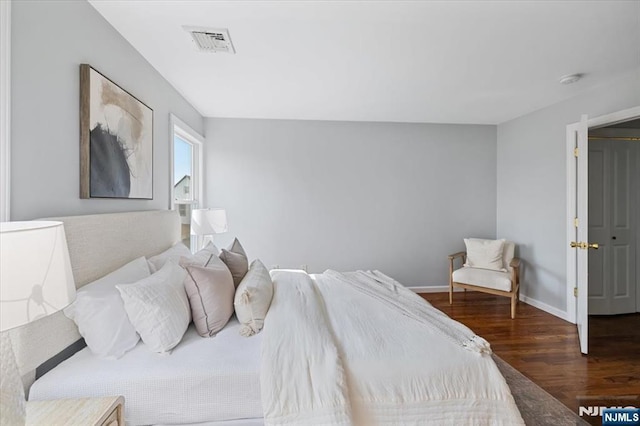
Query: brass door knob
{"points": [[584, 246]]}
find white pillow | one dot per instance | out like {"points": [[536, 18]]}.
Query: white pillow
{"points": [[99, 313], [485, 254], [158, 307], [202, 257], [174, 253], [253, 298]]}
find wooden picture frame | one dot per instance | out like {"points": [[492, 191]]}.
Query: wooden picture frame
{"points": [[116, 140]]}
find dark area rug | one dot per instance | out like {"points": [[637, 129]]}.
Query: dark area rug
{"points": [[537, 406]]}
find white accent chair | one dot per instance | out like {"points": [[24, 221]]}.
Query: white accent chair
{"points": [[489, 281]]}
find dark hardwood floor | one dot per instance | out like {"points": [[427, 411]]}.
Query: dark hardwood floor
{"points": [[546, 350]]}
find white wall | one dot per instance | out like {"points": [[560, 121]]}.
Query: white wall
{"points": [[347, 195], [50, 39], [532, 178], [5, 109]]}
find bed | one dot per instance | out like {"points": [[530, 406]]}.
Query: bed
{"points": [[336, 348]]}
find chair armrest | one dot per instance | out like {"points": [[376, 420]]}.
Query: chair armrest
{"points": [[515, 263], [452, 257], [458, 254]]}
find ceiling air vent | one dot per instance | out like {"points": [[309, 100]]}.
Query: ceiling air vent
{"points": [[211, 39]]}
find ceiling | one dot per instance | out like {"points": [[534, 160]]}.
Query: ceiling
{"points": [[481, 62]]}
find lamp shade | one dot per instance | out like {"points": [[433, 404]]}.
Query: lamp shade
{"points": [[208, 221], [36, 279]]}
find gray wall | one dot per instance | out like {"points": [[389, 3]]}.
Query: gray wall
{"points": [[532, 183], [49, 41], [346, 195]]}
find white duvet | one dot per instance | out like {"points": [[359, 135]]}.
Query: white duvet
{"points": [[203, 380], [360, 349]]}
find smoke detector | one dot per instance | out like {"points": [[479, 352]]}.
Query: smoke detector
{"points": [[211, 39], [571, 78]]}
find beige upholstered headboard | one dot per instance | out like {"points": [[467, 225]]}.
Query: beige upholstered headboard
{"points": [[98, 244]]}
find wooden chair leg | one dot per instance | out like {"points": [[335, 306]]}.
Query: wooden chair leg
{"points": [[513, 305], [450, 293]]}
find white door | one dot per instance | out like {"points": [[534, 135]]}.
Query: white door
{"points": [[612, 223], [577, 258], [577, 216]]}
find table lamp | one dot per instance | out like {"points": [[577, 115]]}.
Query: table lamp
{"points": [[206, 222], [36, 280]]}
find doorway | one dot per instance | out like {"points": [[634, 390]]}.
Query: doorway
{"points": [[578, 244], [614, 218]]}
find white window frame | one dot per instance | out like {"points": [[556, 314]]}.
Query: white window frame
{"points": [[5, 107], [185, 132], [181, 129]]}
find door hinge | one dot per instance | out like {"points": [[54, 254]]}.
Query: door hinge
{"points": [[575, 292], [575, 152], [575, 222]]}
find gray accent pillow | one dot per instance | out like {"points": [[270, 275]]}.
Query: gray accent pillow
{"points": [[236, 260], [210, 290], [253, 299]]}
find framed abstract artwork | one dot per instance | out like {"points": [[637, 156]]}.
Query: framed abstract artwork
{"points": [[116, 140]]}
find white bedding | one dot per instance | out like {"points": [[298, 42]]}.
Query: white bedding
{"points": [[202, 380], [332, 352], [354, 356]]}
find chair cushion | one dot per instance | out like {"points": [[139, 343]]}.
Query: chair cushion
{"points": [[508, 254], [487, 254], [483, 278]]}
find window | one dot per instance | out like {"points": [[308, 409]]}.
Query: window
{"points": [[186, 188]]}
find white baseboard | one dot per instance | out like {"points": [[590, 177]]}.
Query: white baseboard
{"points": [[544, 307], [526, 299]]}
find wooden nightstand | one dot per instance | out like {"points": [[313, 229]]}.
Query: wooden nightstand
{"points": [[108, 411]]}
